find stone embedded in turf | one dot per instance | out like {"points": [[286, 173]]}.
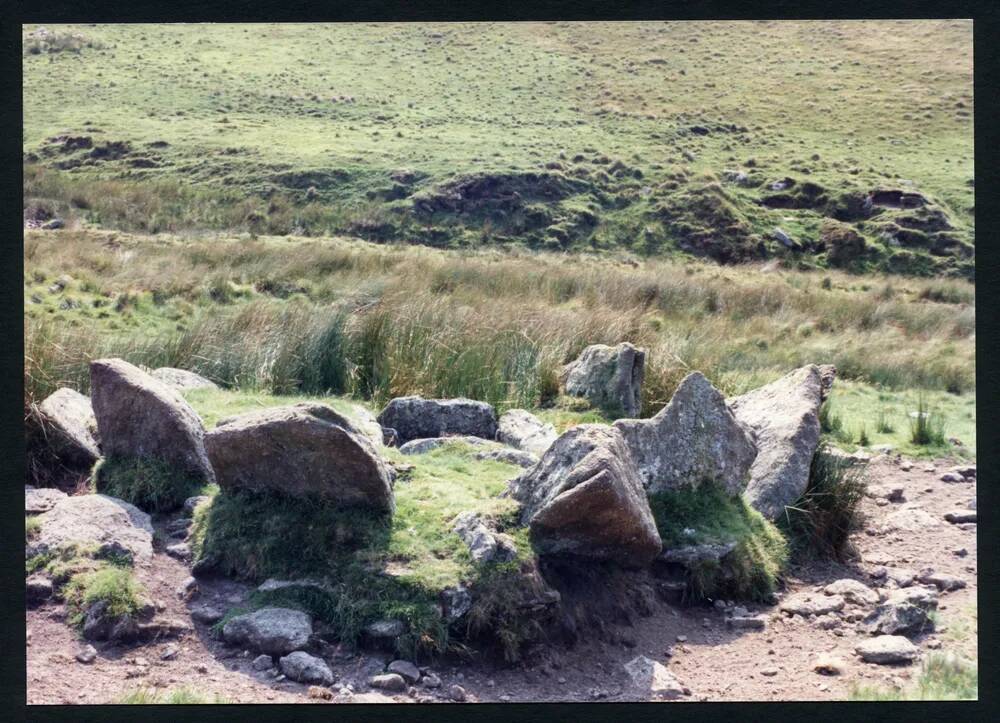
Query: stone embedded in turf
{"points": [[70, 428], [140, 417], [417, 418], [585, 499], [609, 377], [693, 439], [272, 631], [300, 450]]}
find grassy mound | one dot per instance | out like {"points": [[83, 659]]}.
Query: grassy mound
{"points": [[378, 567], [149, 484], [111, 584], [751, 570]]}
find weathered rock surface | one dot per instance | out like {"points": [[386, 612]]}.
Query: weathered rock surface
{"points": [[523, 430], [419, 418], [423, 446], [585, 498], [784, 415], [904, 612], [691, 556], [509, 456], [649, 676], [807, 603], [39, 500], [609, 377], [305, 668], [299, 450], [95, 520], [485, 545], [961, 516], [182, 379], [273, 631], [888, 649], [693, 439], [908, 519], [368, 425], [852, 591], [70, 428], [139, 416], [406, 669], [388, 681]]}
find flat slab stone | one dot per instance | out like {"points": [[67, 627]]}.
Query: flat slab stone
{"points": [[808, 603], [887, 650], [95, 520]]}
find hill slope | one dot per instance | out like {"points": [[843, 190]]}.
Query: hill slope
{"points": [[852, 138]]}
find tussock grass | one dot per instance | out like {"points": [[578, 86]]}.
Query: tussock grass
{"points": [[821, 521], [751, 570], [114, 585], [944, 676], [926, 427], [178, 696], [31, 527]]}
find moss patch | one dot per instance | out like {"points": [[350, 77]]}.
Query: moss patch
{"points": [[751, 570]]}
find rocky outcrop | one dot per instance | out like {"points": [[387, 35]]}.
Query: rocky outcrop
{"points": [[272, 631], [585, 498], [419, 418], [70, 428], [904, 612], [97, 521], [300, 450], [139, 416], [694, 439], [522, 430], [609, 377], [784, 416], [181, 379]]}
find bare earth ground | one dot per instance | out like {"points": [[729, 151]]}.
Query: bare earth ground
{"points": [[714, 662]]}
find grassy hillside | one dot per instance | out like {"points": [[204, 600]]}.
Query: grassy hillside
{"points": [[853, 138]]}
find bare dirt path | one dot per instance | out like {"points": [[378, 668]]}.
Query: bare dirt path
{"points": [[711, 660]]}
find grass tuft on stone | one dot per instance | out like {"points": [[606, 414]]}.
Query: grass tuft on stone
{"points": [[709, 515], [116, 586]]}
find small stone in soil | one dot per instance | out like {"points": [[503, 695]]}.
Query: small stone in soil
{"points": [[457, 693], [262, 662], [170, 652], [682, 638], [769, 672], [316, 691], [86, 654]]}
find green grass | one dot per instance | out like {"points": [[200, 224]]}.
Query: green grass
{"points": [[116, 586], [751, 570], [150, 484], [31, 527], [855, 404], [942, 677], [178, 696], [365, 129], [382, 568], [821, 521]]}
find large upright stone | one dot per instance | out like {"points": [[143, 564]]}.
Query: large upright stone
{"points": [[523, 430], [609, 377], [694, 439], [419, 418], [139, 416], [70, 428], [94, 521], [299, 450], [784, 415], [585, 498]]}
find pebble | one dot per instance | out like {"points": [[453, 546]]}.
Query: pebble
{"points": [[86, 654], [316, 691], [682, 638], [457, 693], [262, 662], [170, 652], [388, 681], [769, 672]]}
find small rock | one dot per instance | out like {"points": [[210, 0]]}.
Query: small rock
{"points": [[755, 622], [934, 644], [431, 681], [769, 672], [649, 676], [406, 669], [262, 662], [682, 638], [952, 477], [852, 591], [319, 693], [87, 654], [388, 681], [829, 665], [207, 615], [941, 581], [960, 552], [180, 551], [187, 589], [305, 668], [961, 516], [456, 693], [170, 652], [887, 649], [804, 603]]}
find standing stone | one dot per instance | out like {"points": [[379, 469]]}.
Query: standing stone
{"points": [[139, 416], [523, 430], [585, 498], [70, 428], [299, 450], [609, 377], [695, 438], [784, 415], [419, 418]]}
